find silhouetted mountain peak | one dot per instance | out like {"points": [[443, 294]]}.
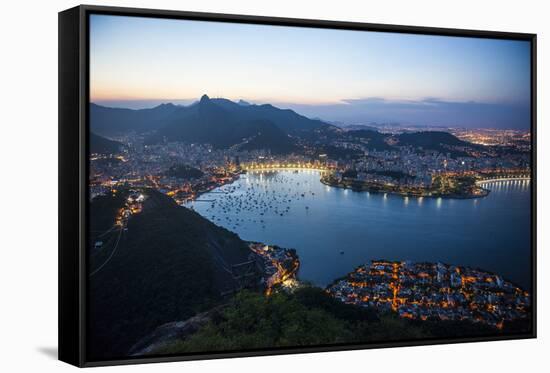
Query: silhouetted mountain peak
{"points": [[167, 105], [216, 121], [243, 103]]}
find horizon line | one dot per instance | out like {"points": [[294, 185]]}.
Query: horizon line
{"points": [[369, 124]]}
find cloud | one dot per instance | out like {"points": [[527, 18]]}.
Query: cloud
{"points": [[427, 111]]}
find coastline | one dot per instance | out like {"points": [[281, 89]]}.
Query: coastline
{"points": [[378, 189], [448, 292], [355, 185], [323, 180], [313, 179], [280, 265], [211, 188]]}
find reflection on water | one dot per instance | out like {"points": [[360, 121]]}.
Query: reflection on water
{"points": [[293, 209]]}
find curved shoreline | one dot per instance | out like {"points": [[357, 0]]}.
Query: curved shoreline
{"points": [[402, 194], [320, 189], [479, 183], [463, 292]]}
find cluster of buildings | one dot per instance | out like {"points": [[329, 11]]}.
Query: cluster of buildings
{"points": [[280, 266], [417, 169], [433, 291], [407, 172], [489, 136], [404, 170], [132, 206], [145, 166]]}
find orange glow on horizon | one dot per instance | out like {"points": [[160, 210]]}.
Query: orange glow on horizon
{"points": [[104, 95]]}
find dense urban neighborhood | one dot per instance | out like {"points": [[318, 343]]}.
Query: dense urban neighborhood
{"points": [[440, 162], [433, 291]]}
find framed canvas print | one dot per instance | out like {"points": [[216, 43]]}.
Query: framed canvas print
{"points": [[237, 186]]}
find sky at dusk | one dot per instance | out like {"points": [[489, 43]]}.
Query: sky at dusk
{"points": [[353, 77]]}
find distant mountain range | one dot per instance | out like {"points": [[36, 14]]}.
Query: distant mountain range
{"points": [[226, 124], [219, 122], [107, 121]]}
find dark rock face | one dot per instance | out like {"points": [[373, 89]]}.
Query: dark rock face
{"points": [[168, 333]]}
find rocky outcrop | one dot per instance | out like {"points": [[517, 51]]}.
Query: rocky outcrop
{"points": [[169, 333]]}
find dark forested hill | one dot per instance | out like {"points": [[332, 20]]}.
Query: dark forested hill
{"points": [[100, 144], [265, 135], [168, 265], [183, 171], [374, 140], [432, 140]]}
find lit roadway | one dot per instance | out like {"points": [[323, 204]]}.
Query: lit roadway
{"points": [[522, 178], [284, 167]]}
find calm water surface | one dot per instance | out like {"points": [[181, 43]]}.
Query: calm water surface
{"points": [[293, 209]]}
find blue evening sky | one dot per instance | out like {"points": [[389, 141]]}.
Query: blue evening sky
{"points": [[338, 75]]}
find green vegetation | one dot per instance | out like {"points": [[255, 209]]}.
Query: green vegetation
{"points": [[455, 186], [309, 317], [306, 318]]}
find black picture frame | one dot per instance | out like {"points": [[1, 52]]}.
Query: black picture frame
{"points": [[73, 171]]}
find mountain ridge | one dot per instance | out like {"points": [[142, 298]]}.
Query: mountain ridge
{"points": [[217, 121], [240, 125]]}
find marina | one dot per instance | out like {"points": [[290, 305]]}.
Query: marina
{"points": [[333, 230]]}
